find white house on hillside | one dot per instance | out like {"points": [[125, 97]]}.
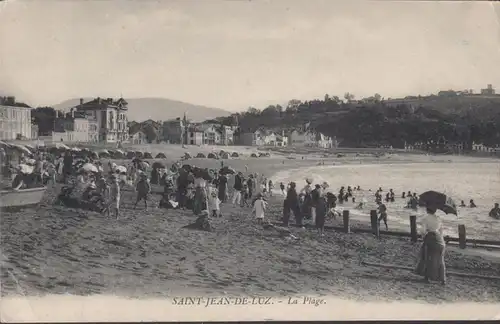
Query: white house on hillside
{"points": [[311, 139]]}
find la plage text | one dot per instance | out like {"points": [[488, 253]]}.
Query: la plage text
{"points": [[235, 301]]}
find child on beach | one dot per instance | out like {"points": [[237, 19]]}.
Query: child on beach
{"points": [[143, 190], [214, 204], [259, 208], [282, 188], [271, 187], [114, 196]]}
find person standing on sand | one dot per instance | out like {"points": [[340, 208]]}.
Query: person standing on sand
{"points": [[291, 204], [114, 196], [222, 187], [282, 188], [143, 189], [67, 166], [431, 260], [271, 187], [316, 194], [238, 186], [200, 193], [321, 210], [214, 204], [259, 208], [250, 185]]}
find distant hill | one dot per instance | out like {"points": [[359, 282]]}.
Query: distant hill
{"points": [[141, 109]]}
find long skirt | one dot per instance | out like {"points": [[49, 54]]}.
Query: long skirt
{"points": [[222, 193], [200, 200], [431, 260]]}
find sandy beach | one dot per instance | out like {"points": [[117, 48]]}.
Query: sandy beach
{"points": [[56, 250]]}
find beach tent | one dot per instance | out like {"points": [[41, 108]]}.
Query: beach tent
{"points": [[200, 155], [253, 155], [130, 155], [222, 152], [187, 155], [160, 156], [118, 154], [224, 155], [20, 148], [212, 156], [103, 152], [58, 146], [139, 154], [235, 154], [147, 155], [4, 145]]}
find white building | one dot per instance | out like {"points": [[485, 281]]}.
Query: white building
{"points": [[108, 119], [15, 122]]}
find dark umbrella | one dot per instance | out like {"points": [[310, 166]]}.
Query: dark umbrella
{"points": [[187, 167], [227, 170], [439, 201], [158, 165]]}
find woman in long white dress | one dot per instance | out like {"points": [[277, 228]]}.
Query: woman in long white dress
{"points": [[431, 263]]}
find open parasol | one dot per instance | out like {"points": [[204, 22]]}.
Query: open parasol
{"points": [[439, 201], [227, 170], [121, 169], [89, 167]]}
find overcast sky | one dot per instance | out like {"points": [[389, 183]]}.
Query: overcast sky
{"points": [[235, 54]]}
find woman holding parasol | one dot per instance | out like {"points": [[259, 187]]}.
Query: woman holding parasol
{"points": [[431, 263]]}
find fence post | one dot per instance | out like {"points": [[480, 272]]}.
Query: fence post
{"points": [[413, 228], [347, 226], [461, 236], [374, 221]]}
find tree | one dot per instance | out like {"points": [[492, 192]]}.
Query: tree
{"points": [[293, 106], [44, 118], [348, 97], [150, 133], [253, 111], [271, 112]]}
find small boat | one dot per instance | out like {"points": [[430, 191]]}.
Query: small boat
{"points": [[21, 198]]}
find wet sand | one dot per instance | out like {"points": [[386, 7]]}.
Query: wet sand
{"points": [[56, 250]]}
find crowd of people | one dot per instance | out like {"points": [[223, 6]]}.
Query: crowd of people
{"points": [[86, 184]]}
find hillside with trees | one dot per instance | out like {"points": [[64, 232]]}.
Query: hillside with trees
{"points": [[374, 121]]}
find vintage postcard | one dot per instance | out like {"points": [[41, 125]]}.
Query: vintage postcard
{"points": [[249, 160]]}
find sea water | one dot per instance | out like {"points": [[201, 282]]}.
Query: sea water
{"points": [[461, 181]]}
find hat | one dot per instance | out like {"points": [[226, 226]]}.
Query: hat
{"points": [[317, 186]]}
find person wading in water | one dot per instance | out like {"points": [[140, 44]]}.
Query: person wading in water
{"points": [[382, 209]]}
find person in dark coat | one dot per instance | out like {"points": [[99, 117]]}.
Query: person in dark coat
{"points": [[67, 165], [291, 204], [321, 211], [222, 187]]}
